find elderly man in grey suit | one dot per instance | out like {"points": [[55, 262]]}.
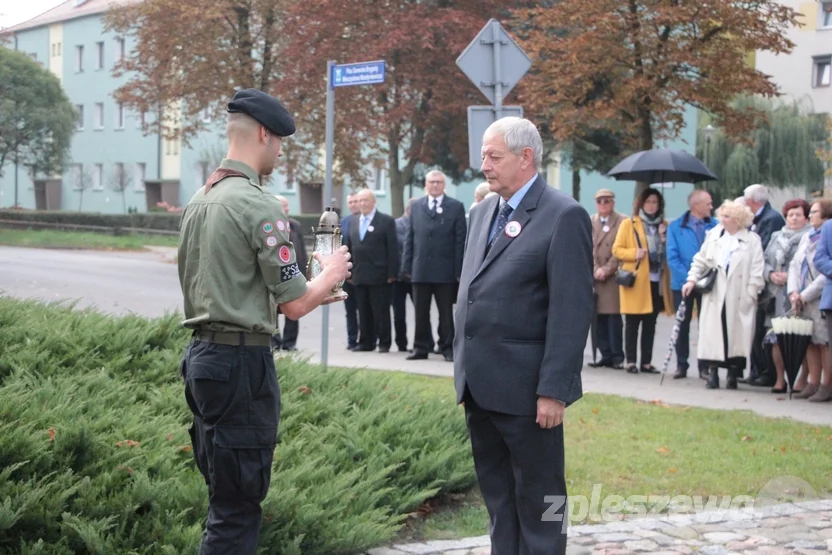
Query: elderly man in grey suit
{"points": [[523, 315]]}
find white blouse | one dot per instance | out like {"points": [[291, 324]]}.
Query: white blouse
{"points": [[726, 245]]}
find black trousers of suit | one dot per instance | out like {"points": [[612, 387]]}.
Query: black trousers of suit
{"points": [[401, 290], [683, 339], [423, 295], [648, 329], [374, 315], [351, 307], [759, 361], [521, 472], [610, 337]]}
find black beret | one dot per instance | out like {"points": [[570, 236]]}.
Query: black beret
{"points": [[266, 109]]}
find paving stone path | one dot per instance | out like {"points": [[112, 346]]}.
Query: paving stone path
{"points": [[802, 528]]}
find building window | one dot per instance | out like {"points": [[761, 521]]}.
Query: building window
{"points": [[79, 58], [119, 178], [98, 177], [99, 55], [119, 116], [139, 173], [79, 110], [822, 72], [120, 48], [54, 49], [76, 172], [378, 176], [98, 122], [825, 15]]}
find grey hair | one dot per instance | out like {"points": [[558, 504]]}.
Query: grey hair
{"points": [[481, 190], [436, 172], [518, 133], [756, 193], [740, 200], [694, 195]]}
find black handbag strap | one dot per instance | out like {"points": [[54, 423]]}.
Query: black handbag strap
{"points": [[638, 241]]}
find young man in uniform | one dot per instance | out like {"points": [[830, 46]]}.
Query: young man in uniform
{"points": [[236, 265]]}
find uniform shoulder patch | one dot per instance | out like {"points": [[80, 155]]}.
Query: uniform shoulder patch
{"points": [[289, 272], [271, 241]]}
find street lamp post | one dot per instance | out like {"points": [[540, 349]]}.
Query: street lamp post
{"points": [[708, 131]]}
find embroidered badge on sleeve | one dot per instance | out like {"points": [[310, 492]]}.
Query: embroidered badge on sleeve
{"points": [[289, 272]]}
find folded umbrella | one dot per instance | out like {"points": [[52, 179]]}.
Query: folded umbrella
{"points": [[794, 334], [662, 165], [674, 335]]}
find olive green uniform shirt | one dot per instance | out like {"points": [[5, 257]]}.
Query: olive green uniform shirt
{"points": [[236, 262]]}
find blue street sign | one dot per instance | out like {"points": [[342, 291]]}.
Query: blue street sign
{"points": [[362, 73]]}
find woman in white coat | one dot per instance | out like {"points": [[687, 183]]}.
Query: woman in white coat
{"points": [[727, 316]]}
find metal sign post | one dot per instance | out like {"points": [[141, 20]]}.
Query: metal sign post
{"points": [[494, 62], [343, 75]]}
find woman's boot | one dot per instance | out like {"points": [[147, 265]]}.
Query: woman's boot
{"points": [[731, 382], [713, 378]]}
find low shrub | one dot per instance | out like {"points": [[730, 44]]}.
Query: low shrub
{"points": [[95, 456]]}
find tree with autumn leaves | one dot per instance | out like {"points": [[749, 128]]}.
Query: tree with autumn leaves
{"points": [[635, 65], [196, 53]]}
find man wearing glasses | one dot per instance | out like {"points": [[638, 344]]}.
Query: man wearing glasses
{"points": [[609, 330]]}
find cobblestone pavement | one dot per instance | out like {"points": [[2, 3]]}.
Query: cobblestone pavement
{"points": [[802, 528]]}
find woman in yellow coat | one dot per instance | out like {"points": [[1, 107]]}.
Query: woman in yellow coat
{"points": [[640, 246]]}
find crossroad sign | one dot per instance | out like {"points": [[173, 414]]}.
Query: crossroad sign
{"points": [[362, 73], [479, 118], [494, 63]]}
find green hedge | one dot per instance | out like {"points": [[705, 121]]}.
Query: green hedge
{"points": [[95, 456], [147, 220]]}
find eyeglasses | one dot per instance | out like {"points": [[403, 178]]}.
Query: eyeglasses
{"points": [[603, 200], [811, 212]]}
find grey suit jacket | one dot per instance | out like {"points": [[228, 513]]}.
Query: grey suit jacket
{"points": [[523, 312], [434, 243]]}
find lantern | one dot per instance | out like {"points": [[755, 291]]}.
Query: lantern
{"points": [[327, 241]]}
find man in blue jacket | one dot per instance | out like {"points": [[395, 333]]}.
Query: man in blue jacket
{"points": [[685, 236], [823, 264]]}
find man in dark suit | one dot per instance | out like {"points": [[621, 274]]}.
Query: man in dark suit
{"points": [[767, 220], [288, 339], [401, 287], [523, 315], [375, 257], [432, 261], [350, 304]]}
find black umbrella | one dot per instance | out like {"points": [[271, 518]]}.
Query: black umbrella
{"points": [[794, 334], [662, 165]]}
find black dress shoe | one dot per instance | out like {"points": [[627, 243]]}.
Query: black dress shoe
{"points": [[360, 349], [603, 363], [649, 369], [384, 349], [779, 390], [403, 349], [617, 365], [703, 373], [417, 356], [632, 369], [680, 373], [763, 381], [449, 357]]}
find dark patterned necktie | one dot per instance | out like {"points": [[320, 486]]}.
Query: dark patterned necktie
{"points": [[502, 220]]}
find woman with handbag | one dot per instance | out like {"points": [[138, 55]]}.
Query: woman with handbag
{"points": [[778, 257], [805, 286], [643, 277], [727, 316]]}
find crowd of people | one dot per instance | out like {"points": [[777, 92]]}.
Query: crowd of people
{"points": [[736, 270]]}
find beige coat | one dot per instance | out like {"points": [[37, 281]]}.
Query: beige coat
{"points": [[737, 290], [606, 290]]}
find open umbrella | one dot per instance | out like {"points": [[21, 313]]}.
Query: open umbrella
{"points": [[674, 335], [794, 333], [662, 165]]}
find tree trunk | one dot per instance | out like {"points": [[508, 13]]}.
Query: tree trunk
{"points": [[124, 199], [576, 184], [80, 200], [645, 139]]}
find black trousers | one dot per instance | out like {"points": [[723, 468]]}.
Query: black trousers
{"points": [[423, 295], [759, 360], [235, 400], [521, 473], [647, 322], [683, 339], [401, 290], [374, 315], [610, 337], [351, 307], [286, 337]]}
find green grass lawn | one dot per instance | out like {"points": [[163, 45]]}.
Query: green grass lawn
{"points": [[82, 240], [628, 447]]}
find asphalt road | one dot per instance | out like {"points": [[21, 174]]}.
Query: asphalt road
{"points": [[147, 284]]}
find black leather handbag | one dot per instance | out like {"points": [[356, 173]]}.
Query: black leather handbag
{"points": [[626, 278], [706, 282]]}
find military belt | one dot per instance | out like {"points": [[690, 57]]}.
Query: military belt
{"points": [[234, 338]]}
